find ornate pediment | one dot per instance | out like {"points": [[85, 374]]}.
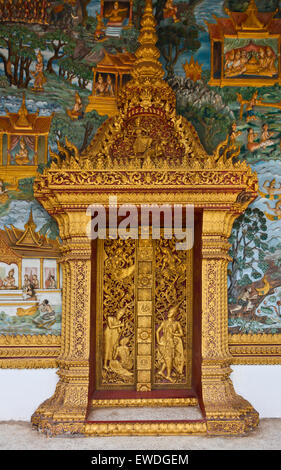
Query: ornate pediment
{"points": [[147, 144]]}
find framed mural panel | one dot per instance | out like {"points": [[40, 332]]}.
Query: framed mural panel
{"points": [[30, 297]]}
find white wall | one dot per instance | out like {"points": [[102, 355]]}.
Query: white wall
{"points": [[261, 386], [22, 391]]}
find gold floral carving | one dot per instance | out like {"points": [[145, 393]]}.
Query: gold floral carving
{"points": [[173, 294], [116, 338]]}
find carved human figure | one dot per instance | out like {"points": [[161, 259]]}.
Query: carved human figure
{"points": [[111, 336], [122, 361], [169, 339], [142, 141]]}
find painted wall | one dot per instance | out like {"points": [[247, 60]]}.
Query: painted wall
{"points": [[254, 282], [22, 391]]}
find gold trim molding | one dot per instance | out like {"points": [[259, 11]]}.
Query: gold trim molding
{"points": [[29, 351], [255, 349]]}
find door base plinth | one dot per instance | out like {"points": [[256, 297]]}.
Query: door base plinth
{"points": [[223, 426]]}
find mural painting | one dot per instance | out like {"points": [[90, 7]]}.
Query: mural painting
{"points": [[62, 64]]}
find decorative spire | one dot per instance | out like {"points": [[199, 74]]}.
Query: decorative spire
{"points": [[252, 21], [147, 64], [22, 120]]}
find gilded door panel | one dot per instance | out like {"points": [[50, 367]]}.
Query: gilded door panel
{"points": [[173, 315], [144, 315], [116, 314]]}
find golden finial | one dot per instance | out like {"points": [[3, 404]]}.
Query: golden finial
{"points": [[22, 115], [252, 21], [147, 64]]}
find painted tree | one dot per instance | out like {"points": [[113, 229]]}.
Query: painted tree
{"points": [[80, 132], [211, 125], [174, 39], [83, 6], [248, 251], [19, 45], [61, 44], [71, 69]]}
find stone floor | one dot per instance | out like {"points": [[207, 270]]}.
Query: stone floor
{"points": [[18, 435]]}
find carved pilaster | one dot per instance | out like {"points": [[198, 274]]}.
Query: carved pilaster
{"points": [[144, 315], [70, 401], [226, 412]]}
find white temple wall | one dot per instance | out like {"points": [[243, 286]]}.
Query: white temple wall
{"points": [[22, 391]]}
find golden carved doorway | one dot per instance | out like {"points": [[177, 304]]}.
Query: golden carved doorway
{"points": [[144, 315], [146, 154]]}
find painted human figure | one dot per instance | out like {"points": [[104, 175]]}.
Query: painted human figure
{"points": [[39, 76], [229, 63], [170, 10], [28, 291], [109, 90], [50, 282], [234, 134], [47, 315], [266, 136], [270, 62], [116, 14], [22, 157], [250, 107], [252, 145], [35, 281], [9, 281], [100, 86]]}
